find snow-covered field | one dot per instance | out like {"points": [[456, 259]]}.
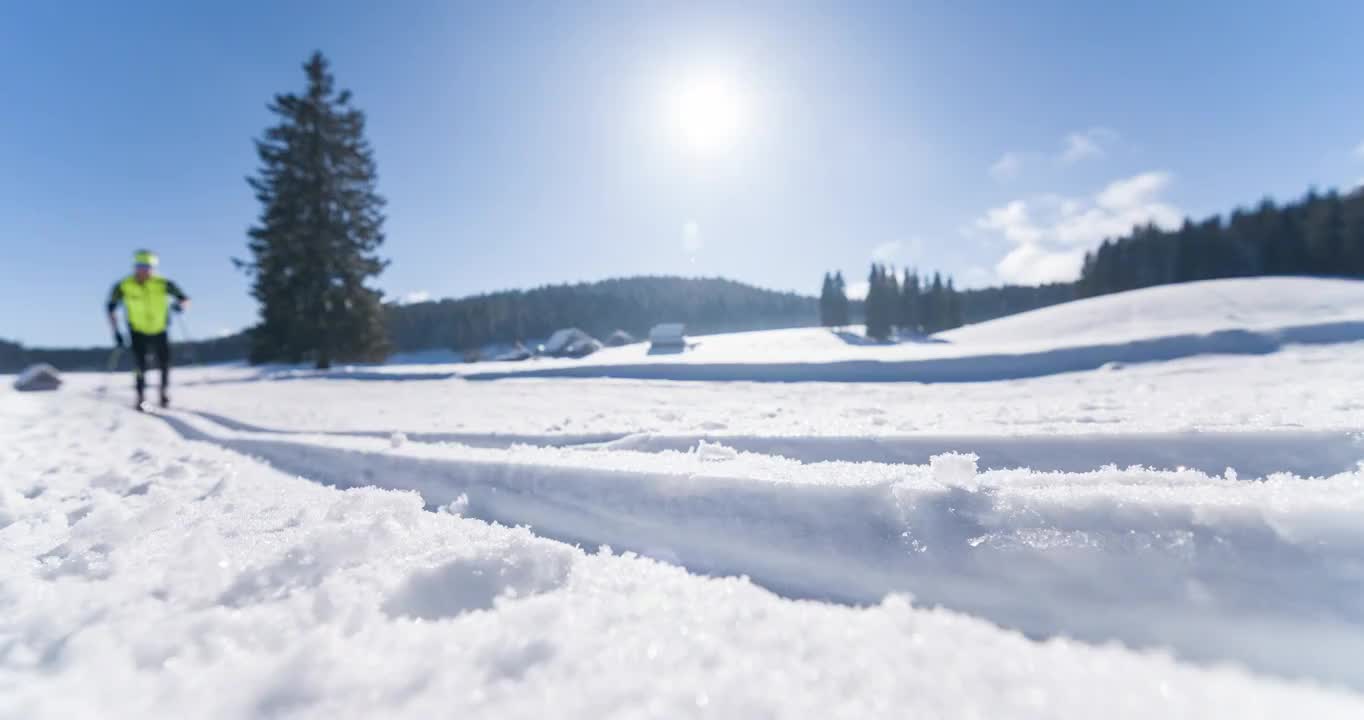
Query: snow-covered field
{"points": [[1248, 316], [1161, 539]]}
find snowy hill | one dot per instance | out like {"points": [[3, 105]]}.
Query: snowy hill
{"points": [[1236, 316], [1258, 304]]}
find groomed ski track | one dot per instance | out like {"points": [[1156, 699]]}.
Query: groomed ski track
{"points": [[1265, 572]]}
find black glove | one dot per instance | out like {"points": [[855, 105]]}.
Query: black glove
{"points": [[118, 339], [177, 307]]}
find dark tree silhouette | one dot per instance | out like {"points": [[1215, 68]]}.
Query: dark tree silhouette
{"points": [[314, 246]]}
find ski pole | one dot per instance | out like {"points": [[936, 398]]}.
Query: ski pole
{"points": [[109, 368], [187, 340]]}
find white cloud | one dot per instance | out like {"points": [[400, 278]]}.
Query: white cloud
{"points": [[1051, 233], [1012, 222], [1007, 167], [887, 251], [416, 296], [1133, 191], [1032, 264], [691, 238], [1119, 207], [1086, 144], [858, 290]]}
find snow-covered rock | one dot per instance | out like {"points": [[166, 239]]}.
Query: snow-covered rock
{"points": [[37, 378]]}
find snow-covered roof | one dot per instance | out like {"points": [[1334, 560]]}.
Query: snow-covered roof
{"points": [[561, 339], [668, 333]]}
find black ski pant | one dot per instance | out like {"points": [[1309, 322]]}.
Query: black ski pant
{"points": [[158, 345]]}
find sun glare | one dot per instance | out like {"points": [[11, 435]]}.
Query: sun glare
{"points": [[708, 113]]}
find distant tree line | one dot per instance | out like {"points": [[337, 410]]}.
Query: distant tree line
{"points": [[15, 357], [913, 306], [705, 305], [1318, 235], [833, 301], [981, 304]]}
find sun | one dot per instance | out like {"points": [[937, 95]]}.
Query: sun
{"points": [[708, 112]]}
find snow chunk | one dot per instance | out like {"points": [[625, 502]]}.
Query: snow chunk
{"points": [[457, 507], [715, 452], [397, 440], [955, 470]]}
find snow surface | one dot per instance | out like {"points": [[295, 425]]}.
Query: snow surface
{"points": [[145, 575], [1263, 304], [1291, 410], [1165, 539]]}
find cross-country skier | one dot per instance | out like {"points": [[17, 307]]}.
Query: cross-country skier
{"points": [[146, 299]]}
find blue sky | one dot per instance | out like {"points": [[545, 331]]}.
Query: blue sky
{"points": [[529, 143]]}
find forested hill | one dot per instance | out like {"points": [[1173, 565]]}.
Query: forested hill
{"points": [[706, 305], [1318, 235]]}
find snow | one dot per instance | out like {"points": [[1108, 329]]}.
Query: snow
{"points": [[212, 585], [1253, 304], [668, 335], [40, 377], [1159, 539]]}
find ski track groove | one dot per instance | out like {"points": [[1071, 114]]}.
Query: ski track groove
{"points": [[854, 544], [1259, 454]]}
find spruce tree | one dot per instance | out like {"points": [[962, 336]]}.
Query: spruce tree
{"points": [[894, 318], [1352, 247], [840, 301], [320, 227], [870, 310], [953, 305], [940, 311], [878, 315], [1323, 235], [826, 302], [909, 302]]}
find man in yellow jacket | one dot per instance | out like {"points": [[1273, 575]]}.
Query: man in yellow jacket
{"points": [[146, 299]]}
